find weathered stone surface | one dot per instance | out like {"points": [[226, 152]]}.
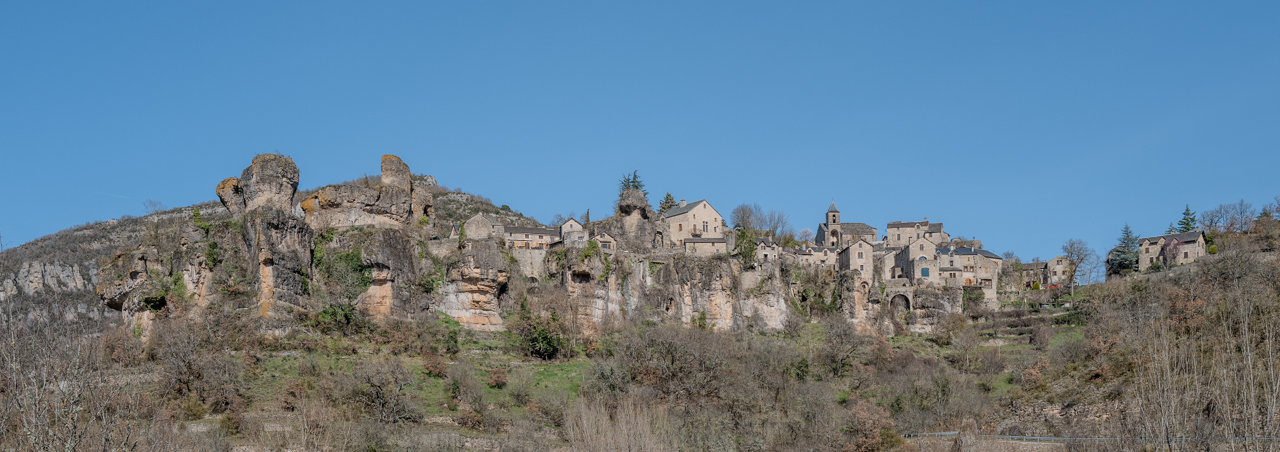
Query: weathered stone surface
{"points": [[389, 255], [281, 245], [271, 180], [342, 206], [231, 195], [395, 174], [471, 292], [35, 277], [634, 226], [392, 203]]}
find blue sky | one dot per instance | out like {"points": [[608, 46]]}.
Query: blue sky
{"points": [[1021, 123]]}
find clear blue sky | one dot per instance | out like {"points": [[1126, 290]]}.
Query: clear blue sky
{"points": [[1021, 123]]}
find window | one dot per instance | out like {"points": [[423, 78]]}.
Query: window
{"points": [[704, 226], [605, 245], [953, 275], [899, 236], [859, 255], [540, 236], [922, 247], [1184, 254], [526, 236], [924, 273], [859, 245], [680, 227], [862, 267]]}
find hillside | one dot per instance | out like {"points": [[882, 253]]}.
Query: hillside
{"points": [[357, 316]]}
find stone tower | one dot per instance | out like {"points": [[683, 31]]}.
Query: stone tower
{"points": [[833, 227]]}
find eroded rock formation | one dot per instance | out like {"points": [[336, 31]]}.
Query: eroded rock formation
{"points": [[393, 202]]}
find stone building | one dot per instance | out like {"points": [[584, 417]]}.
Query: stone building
{"points": [[693, 220], [480, 227], [767, 251], [833, 233], [1172, 249], [529, 238], [815, 256], [606, 242], [573, 234], [901, 233], [859, 256], [705, 246], [1050, 273]]}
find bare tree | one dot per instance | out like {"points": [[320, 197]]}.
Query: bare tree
{"points": [[746, 216], [153, 207], [1079, 255]]}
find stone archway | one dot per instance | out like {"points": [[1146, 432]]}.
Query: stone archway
{"points": [[900, 301]]}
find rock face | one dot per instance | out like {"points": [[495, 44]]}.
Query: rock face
{"points": [[389, 256], [393, 202], [281, 245], [36, 277], [634, 226], [270, 181], [471, 292]]}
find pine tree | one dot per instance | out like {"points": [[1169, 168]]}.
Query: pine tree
{"points": [[1172, 229], [1188, 222], [631, 181], [667, 203], [1127, 249]]}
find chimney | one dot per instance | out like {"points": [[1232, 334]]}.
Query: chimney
{"points": [[681, 203]]}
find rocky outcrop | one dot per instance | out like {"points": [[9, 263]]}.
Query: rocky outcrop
{"points": [[471, 292], [635, 225], [280, 245], [395, 201], [37, 277], [388, 255], [270, 181]]}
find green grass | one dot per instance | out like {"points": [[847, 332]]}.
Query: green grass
{"points": [[1063, 334]]}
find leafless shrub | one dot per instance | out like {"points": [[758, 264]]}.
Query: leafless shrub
{"points": [[633, 425]]}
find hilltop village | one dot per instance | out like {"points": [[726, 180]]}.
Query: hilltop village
{"points": [[378, 245]]}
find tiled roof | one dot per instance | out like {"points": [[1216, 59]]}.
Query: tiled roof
{"points": [[681, 210], [523, 230], [1183, 237]]}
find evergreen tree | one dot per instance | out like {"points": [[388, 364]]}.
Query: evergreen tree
{"points": [[1188, 222], [667, 203], [631, 181], [1127, 249], [1172, 229]]}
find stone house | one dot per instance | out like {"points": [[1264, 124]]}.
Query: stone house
{"points": [[573, 234], [817, 256], [529, 238], [480, 226], [970, 268], [767, 251], [839, 235], [901, 233], [1050, 273], [1171, 249], [606, 242], [705, 246], [693, 220], [859, 256]]}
